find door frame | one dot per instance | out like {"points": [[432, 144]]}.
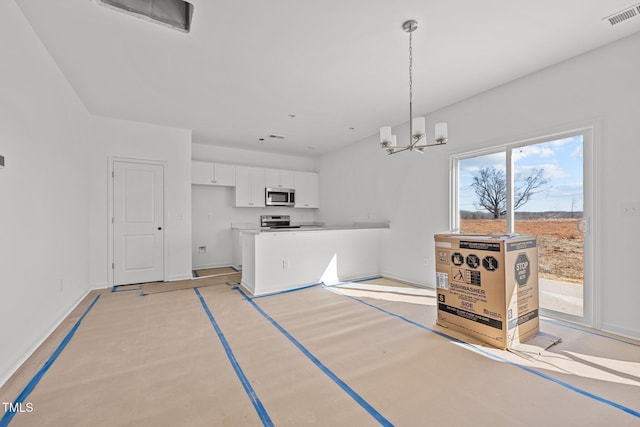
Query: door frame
{"points": [[592, 294], [110, 193]]}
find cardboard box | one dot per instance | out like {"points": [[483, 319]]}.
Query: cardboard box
{"points": [[487, 286]]}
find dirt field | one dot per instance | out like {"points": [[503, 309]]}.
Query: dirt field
{"points": [[560, 244]]}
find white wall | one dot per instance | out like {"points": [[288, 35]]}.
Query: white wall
{"points": [[44, 215], [200, 151], [125, 139], [213, 208], [413, 191], [362, 183]]}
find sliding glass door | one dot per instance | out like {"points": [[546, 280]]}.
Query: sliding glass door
{"points": [[541, 187]]}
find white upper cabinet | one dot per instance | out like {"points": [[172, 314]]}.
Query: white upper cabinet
{"points": [[250, 182], [307, 190], [279, 178], [208, 173], [250, 185]]}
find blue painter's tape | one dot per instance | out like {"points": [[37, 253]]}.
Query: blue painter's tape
{"points": [[288, 291], [586, 331], [8, 416], [366, 280], [257, 404], [501, 359], [370, 409]]}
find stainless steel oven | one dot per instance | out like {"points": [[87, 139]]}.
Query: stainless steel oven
{"points": [[273, 222], [279, 196]]}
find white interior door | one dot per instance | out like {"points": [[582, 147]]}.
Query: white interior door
{"points": [[138, 222]]}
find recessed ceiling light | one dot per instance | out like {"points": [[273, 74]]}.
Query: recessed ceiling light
{"points": [[261, 139]]}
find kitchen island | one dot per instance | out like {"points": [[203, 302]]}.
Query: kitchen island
{"points": [[280, 260]]}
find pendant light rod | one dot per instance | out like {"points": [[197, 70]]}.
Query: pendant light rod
{"points": [[410, 26]]}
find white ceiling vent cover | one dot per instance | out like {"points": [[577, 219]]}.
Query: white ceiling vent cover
{"points": [[623, 15]]}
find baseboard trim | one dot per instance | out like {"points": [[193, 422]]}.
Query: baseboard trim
{"points": [[407, 281], [13, 369], [204, 267], [359, 277], [179, 277], [613, 329], [100, 286]]}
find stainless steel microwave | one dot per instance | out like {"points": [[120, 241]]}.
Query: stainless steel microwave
{"points": [[279, 196]]}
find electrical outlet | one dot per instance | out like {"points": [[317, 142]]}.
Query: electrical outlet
{"points": [[285, 264], [425, 260], [202, 249]]}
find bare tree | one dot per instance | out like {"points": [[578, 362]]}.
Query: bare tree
{"points": [[490, 187]]}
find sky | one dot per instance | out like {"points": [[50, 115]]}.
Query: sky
{"points": [[561, 160]]}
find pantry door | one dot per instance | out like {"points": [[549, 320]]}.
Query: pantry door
{"points": [[138, 222]]}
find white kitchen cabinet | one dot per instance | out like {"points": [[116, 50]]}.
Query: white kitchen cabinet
{"points": [[307, 190], [281, 261], [209, 173], [279, 178], [250, 185]]}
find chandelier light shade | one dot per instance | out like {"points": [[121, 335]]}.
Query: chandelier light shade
{"points": [[417, 125]]}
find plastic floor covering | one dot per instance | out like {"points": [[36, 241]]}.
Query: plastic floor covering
{"points": [[356, 354]]}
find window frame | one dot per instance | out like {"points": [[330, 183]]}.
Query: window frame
{"points": [[589, 131]]}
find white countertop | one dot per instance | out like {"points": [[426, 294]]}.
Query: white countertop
{"points": [[310, 226], [245, 226], [307, 229]]}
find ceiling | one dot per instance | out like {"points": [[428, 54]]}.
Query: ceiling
{"points": [[339, 66]]}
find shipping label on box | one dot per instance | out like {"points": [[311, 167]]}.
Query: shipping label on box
{"points": [[487, 286]]}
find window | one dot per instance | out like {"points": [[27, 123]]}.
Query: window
{"points": [[541, 187]]}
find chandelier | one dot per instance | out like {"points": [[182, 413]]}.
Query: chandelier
{"points": [[417, 139]]}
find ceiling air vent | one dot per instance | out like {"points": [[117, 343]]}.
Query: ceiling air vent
{"points": [[619, 17], [176, 14]]}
